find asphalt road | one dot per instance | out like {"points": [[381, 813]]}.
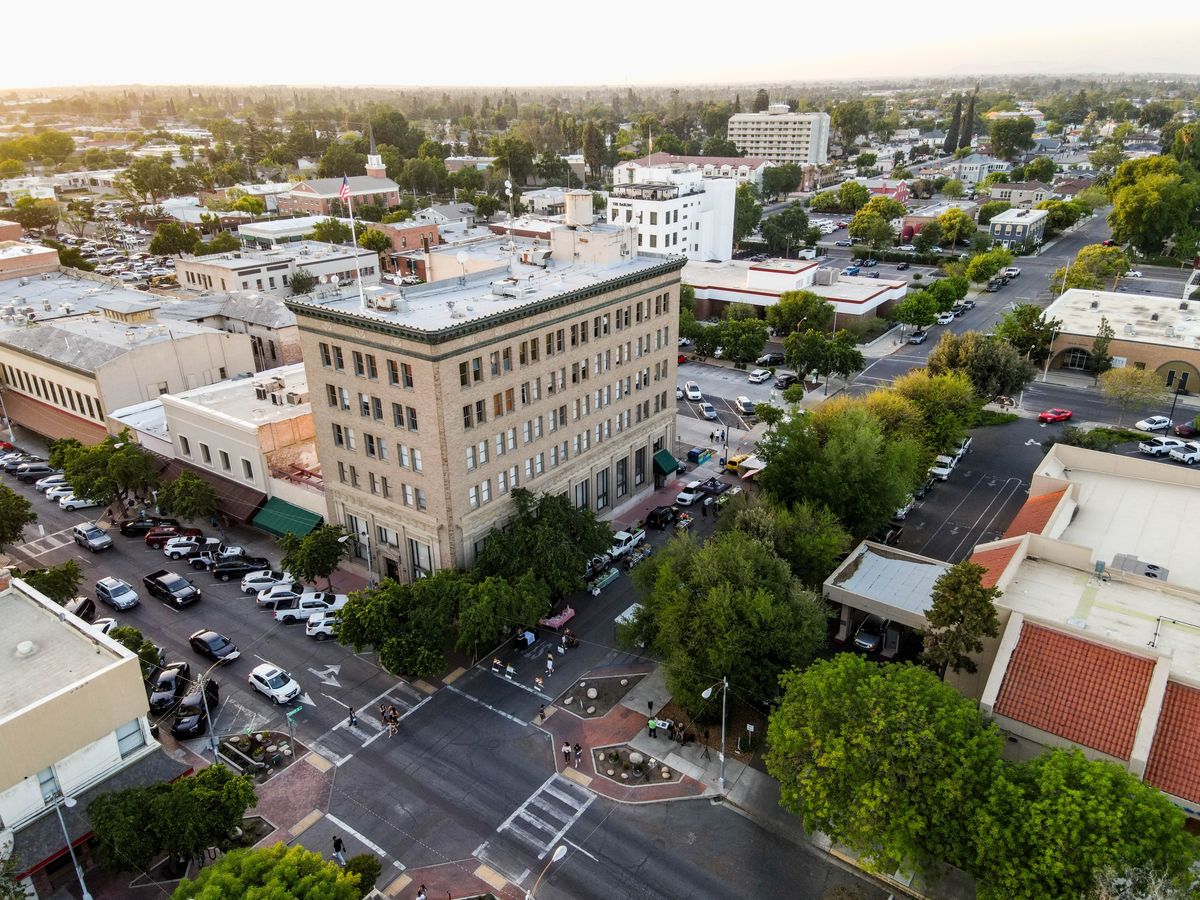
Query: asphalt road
{"points": [[466, 759]]}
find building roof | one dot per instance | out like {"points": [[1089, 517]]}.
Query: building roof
{"points": [[1144, 318], [300, 251], [1035, 514], [1075, 689], [251, 307], [665, 159], [19, 249], [1174, 764], [281, 227], [237, 400], [1021, 186], [148, 417], [449, 210], [359, 184], [933, 210], [995, 560], [87, 343], [1072, 185], [1019, 217], [974, 159], [895, 580], [54, 295]]}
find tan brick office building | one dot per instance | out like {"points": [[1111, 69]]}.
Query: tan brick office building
{"points": [[552, 369]]}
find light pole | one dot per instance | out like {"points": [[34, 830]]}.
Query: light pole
{"points": [[69, 803], [1049, 354], [559, 852], [367, 541], [706, 693], [212, 729]]}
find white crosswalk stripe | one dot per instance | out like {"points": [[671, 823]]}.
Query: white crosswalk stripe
{"points": [[548, 813]]}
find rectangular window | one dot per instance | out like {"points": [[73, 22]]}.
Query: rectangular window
{"points": [[398, 415], [338, 361], [471, 458], [224, 459], [353, 476], [421, 556], [506, 359], [602, 489], [421, 503], [343, 398], [473, 496], [416, 460], [485, 491], [247, 470], [185, 446], [350, 442], [477, 369], [326, 357], [130, 737], [406, 375], [49, 784], [376, 408], [468, 418], [480, 412], [412, 418], [372, 369], [622, 474], [501, 482], [494, 361], [206, 454], [639, 465], [464, 375], [331, 395], [359, 368], [369, 444]]}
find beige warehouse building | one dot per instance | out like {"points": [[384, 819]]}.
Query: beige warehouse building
{"points": [[547, 365]]}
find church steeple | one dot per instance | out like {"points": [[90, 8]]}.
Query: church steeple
{"points": [[375, 166]]}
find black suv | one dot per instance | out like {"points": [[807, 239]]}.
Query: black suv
{"points": [[786, 381], [139, 526], [661, 516]]}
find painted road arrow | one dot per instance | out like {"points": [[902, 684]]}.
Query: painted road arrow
{"points": [[328, 675]]}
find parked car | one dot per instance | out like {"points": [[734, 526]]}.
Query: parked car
{"points": [[143, 524], [44, 484], [191, 715], [689, 494], [1188, 454], [280, 592], [843, 243], [707, 410], [1012, 271], [228, 569], [1055, 415], [56, 492], [758, 376], [851, 270], [907, 248], [31, 472], [785, 381], [924, 488], [945, 318], [1108, 243], [692, 391], [264, 579], [186, 544], [903, 511], [769, 359], [713, 486], [118, 594], [13, 464], [744, 406], [169, 686], [660, 517], [157, 536], [300, 608], [206, 559], [903, 267], [274, 683], [91, 536], [732, 464], [71, 502], [1187, 430], [1133, 273], [213, 645], [889, 534], [963, 447], [1160, 446], [940, 471], [918, 337], [321, 625], [869, 636], [171, 588], [1154, 423], [623, 542], [83, 607]]}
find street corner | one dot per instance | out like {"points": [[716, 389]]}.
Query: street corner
{"points": [[458, 879]]}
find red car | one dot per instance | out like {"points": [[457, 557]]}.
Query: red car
{"points": [[1108, 243], [682, 359], [156, 537], [1187, 430], [6, 446], [1055, 415]]}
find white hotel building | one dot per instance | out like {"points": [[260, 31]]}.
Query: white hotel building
{"points": [[676, 210], [782, 136]]}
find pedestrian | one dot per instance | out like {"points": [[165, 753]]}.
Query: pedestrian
{"points": [[393, 728], [339, 851], [353, 719], [383, 712], [542, 713], [393, 714], [652, 724], [421, 895], [549, 664], [712, 436], [578, 755], [538, 683], [566, 752]]}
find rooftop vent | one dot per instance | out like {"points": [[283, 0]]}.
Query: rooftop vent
{"points": [[1126, 562], [1095, 304], [1153, 317], [25, 649]]}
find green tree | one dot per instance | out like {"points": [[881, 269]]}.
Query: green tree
{"points": [[806, 351], [947, 404], [303, 281], [918, 309], [984, 266], [950, 144], [316, 554], [887, 208], [961, 613], [111, 470], [407, 625], [850, 119], [1094, 268], [886, 760], [138, 644], [331, 231], [593, 148], [761, 101], [872, 229], [852, 196], [11, 168], [994, 366], [928, 237], [729, 608], [781, 180], [1131, 388], [807, 536], [173, 239], [953, 189], [1147, 214], [249, 204], [147, 180], [15, 513], [60, 449], [992, 208], [966, 128], [796, 307], [60, 583], [1011, 136], [1156, 114], [1185, 145], [746, 213], [844, 358], [71, 257], [1107, 817], [743, 339], [549, 536], [222, 243], [955, 226], [270, 874], [787, 229], [368, 868], [31, 213], [1041, 168], [1027, 328], [491, 607], [341, 160], [374, 239], [1108, 156], [188, 496], [1099, 360], [514, 158]]}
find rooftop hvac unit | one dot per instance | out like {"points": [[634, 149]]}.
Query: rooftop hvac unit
{"points": [[276, 398], [296, 398], [46, 276], [383, 301], [23, 281], [1170, 331], [1183, 304], [1126, 562], [1095, 304], [1153, 317], [260, 392]]}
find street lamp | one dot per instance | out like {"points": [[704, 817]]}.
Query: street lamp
{"points": [[706, 693], [1049, 354], [559, 852], [212, 728], [69, 803], [367, 541]]}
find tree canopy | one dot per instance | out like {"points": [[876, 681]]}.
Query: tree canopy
{"points": [[315, 555], [109, 471], [15, 513], [961, 614], [188, 496], [271, 873], [995, 367], [1027, 329]]}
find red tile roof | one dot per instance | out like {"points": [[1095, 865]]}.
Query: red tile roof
{"points": [[1077, 690], [1174, 765], [1035, 514], [994, 561]]}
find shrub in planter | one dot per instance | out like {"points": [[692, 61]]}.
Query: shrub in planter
{"points": [[368, 869]]}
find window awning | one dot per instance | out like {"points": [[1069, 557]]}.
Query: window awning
{"points": [[664, 462], [280, 517]]}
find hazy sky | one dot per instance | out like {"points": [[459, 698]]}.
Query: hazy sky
{"points": [[473, 42]]}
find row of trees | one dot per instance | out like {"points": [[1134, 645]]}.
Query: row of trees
{"points": [[896, 765], [1156, 200]]}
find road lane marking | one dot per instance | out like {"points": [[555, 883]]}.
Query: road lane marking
{"points": [[362, 839], [498, 712]]}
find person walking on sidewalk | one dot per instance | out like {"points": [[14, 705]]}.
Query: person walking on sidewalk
{"points": [[578, 755], [541, 713], [549, 664], [421, 893], [353, 719], [652, 725], [566, 752], [339, 851]]}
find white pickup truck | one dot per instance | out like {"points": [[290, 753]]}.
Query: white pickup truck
{"points": [[623, 542], [300, 609]]}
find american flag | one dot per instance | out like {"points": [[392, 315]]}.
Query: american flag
{"points": [[344, 191]]}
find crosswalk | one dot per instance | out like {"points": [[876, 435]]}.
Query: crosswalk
{"points": [[44, 544], [341, 742], [536, 826]]}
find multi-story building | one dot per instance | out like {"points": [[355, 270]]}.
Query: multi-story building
{"points": [[676, 210], [272, 270], [742, 169], [552, 368], [73, 726], [973, 168], [322, 196], [21, 260], [1017, 227], [1022, 194], [781, 135]]}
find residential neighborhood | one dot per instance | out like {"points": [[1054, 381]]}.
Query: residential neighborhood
{"points": [[653, 480]]}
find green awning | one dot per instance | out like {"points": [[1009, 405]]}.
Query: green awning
{"points": [[280, 517], [665, 463]]}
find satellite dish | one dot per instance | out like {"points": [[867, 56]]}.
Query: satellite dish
{"points": [[324, 279]]}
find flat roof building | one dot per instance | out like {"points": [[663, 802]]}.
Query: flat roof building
{"points": [[275, 232], [542, 366], [272, 270], [782, 136], [676, 210]]}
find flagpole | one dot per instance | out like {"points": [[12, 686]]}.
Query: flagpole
{"points": [[362, 300]]}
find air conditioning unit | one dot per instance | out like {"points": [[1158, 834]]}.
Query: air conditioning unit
{"points": [[276, 398], [260, 392], [296, 398]]}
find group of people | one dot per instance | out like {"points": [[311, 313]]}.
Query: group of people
{"points": [[390, 716], [568, 751]]}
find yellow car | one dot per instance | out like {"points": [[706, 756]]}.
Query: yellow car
{"points": [[731, 464]]}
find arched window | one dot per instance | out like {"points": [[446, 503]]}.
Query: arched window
{"points": [[1075, 358]]}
